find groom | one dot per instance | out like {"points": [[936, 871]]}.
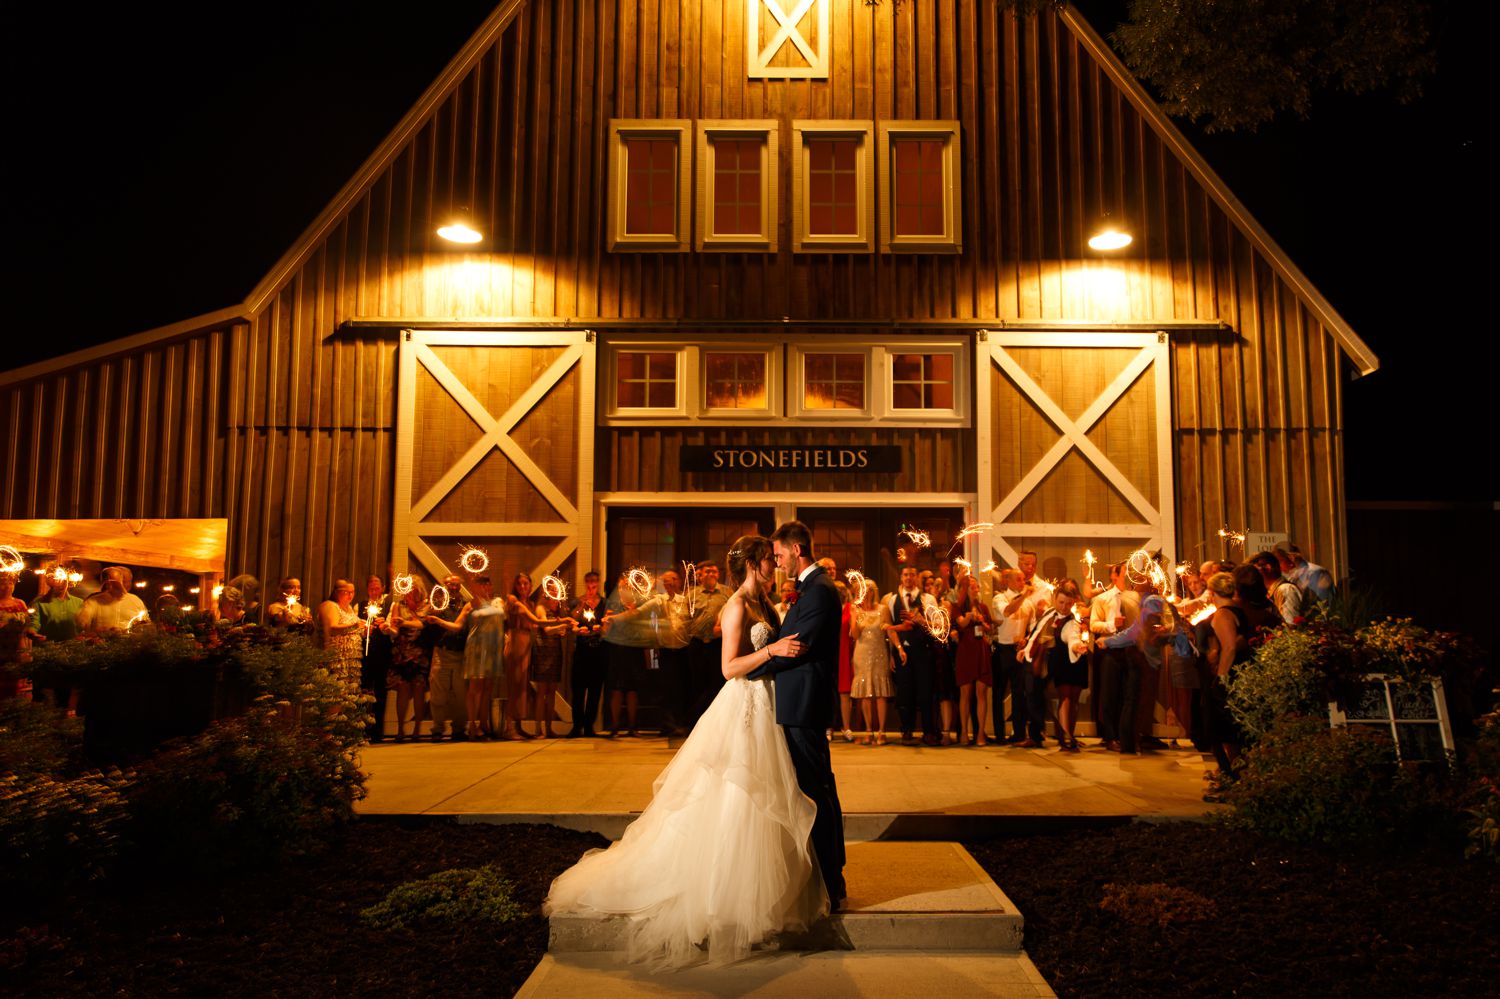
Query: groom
{"points": [[805, 694]]}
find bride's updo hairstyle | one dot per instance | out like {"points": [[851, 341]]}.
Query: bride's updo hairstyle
{"points": [[747, 551]]}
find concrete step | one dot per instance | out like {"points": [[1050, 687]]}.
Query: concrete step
{"points": [[902, 896], [825, 975]]}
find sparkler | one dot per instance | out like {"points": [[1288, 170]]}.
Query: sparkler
{"points": [[859, 584], [1230, 537], [75, 577], [1140, 567], [218, 590], [438, 597], [900, 554], [141, 585], [938, 624], [371, 610], [641, 582], [1203, 615], [689, 582], [1089, 562], [142, 616], [11, 560], [402, 584], [989, 566], [291, 601], [554, 589], [40, 572], [919, 538], [964, 564], [968, 531], [474, 560]]}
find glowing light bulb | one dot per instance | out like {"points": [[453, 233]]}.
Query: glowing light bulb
{"points": [[458, 232], [1110, 239]]}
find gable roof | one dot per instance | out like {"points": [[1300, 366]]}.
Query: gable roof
{"points": [[466, 58]]}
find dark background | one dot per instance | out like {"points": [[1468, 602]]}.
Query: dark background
{"points": [[159, 160]]}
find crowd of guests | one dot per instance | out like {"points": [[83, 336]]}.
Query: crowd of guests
{"points": [[964, 659]]}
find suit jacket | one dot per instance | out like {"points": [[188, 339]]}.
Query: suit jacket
{"points": [[805, 686]]}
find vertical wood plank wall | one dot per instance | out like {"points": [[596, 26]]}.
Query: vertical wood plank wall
{"points": [[284, 426]]}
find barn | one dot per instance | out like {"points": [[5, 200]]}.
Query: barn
{"points": [[729, 262]]}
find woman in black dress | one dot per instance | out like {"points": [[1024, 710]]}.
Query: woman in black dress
{"points": [[1067, 662]]}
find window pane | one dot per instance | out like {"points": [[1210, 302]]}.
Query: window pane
{"points": [[663, 366], [819, 219], [849, 366], [845, 221], [906, 396], [844, 154], [939, 395], [906, 367], [851, 395], [819, 367], [631, 394], [941, 367], [661, 395], [736, 380], [631, 365], [651, 186], [820, 155], [723, 188], [918, 187]]}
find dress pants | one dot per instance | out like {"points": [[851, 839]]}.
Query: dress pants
{"points": [[1036, 704], [590, 663], [446, 691], [814, 766], [673, 677], [1107, 708], [372, 680], [914, 687], [1132, 668], [705, 676]]}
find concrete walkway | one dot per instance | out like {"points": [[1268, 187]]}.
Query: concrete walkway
{"points": [[887, 791]]}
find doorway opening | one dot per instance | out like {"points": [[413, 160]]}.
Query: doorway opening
{"points": [[870, 539]]}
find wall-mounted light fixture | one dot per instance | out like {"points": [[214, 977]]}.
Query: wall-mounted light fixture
{"points": [[459, 229], [1110, 233]]}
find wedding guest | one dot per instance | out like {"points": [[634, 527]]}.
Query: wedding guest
{"points": [[788, 593], [668, 614], [872, 686], [248, 588], [547, 654], [484, 656], [1315, 581], [54, 618], [15, 638], [445, 681], [1068, 665], [846, 656], [1140, 653], [521, 623], [1244, 612], [1037, 589], [289, 612], [1284, 594], [944, 681], [1008, 672], [1034, 652], [590, 656], [1109, 613], [375, 664], [705, 639], [342, 632], [973, 624], [626, 643], [907, 609], [411, 658], [113, 607]]}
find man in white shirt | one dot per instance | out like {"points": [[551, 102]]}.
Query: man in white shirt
{"points": [[1036, 589], [1008, 674], [913, 670], [113, 608]]}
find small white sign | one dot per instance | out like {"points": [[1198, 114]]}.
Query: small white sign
{"points": [[1263, 541]]}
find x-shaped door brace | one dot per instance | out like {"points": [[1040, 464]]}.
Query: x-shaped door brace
{"points": [[1075, 434], [496, 435], [786, 31]]}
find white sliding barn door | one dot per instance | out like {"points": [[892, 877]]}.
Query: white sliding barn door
{"points": [[495, 448], [1075, 434]]}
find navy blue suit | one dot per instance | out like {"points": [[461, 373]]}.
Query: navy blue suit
{"points": [[804, 697]]}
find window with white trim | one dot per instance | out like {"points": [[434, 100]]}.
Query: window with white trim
{"points": [[738, 209], [650, 182], [920, 203], [831, 187], [647, 382], [736, 381], [922, 381], [834, 380]]}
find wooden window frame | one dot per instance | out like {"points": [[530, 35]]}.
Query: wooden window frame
{"points": [[958, 350], [951, 241], [635, 414], [774, 381], [797, 408], [768, 130], [621, 129], [863, 241]]}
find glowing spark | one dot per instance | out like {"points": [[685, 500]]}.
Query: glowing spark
{"points": [[919, 538], [291, 601], [989, 566], [554, 589], [964, 564], [1203, 615], [371, 610], [218, 590], [438, 597], [900, 554], [1078, 612], [968, 531], [40, 572], [938, 624], [689, 582], [59, 574], [474, 560], [142, 616], [859, 584], [1232, 537], [641, 582], [1182, 570], [402, 584], [11, 560], [588, 613], [75, 577], [1140, 567]]}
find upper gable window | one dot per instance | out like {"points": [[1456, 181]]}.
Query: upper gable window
{"points": [[919, 188], [649, 185], [647, 380], [737, 203], [831, 186]]}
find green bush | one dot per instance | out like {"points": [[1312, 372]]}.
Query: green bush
{"points": [[1308, 783], [37, 739], [56, 832], [247, 790], [290, 669], [1483, 768], [1280, 681], [464, 896]]}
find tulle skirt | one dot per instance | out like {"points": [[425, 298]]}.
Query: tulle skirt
{"points": [[720, 860]]}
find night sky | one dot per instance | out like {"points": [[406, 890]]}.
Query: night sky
{"points": [[159, 162]]}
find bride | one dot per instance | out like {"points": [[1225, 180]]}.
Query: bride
{"points": [[720, 859]]}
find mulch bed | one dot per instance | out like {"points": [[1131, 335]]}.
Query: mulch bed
{"points": [[1284, 920], [1271, 919]]}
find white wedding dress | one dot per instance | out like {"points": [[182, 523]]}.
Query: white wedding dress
{"points": [[720, 860]]}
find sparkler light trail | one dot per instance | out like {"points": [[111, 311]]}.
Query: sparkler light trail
{"points": [[859, 584], [11, 560], [989, 566], [554, 589], [474, 560], [402, 584], [968, 531], [938, 624], [640, 581], [919, 538], [371, 610], [1141, 567], [439, 597], [689, 583]]}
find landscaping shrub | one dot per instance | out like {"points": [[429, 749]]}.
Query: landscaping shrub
{"points": [[465, 896], [247, 790], [1305, 782], [38, 739], [1483, 766], [55, 832]]}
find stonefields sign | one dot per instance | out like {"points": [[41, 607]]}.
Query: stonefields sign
{"points": [[777, 458]]}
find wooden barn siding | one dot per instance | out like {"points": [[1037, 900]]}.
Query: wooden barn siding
{"points": [[299, 456]]}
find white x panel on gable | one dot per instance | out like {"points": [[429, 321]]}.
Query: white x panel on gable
{"points": [[787, 33], [573, 530], [1150, 360]]}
